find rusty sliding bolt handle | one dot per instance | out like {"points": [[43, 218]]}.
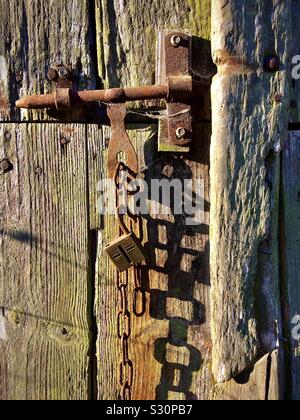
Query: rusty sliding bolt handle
{"points": [[178, 88], [66, 98]]}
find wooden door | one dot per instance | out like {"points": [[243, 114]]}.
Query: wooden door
{"points": [[213, 325]]}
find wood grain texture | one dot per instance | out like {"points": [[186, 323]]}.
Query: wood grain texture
{"points": [[127, 34], [260, 384], [249, 127], [36, 35], [290, 253], [170, 345], [295, 52], [45, 289]]}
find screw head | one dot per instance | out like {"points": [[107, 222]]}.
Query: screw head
{"points": [[52, 75], [5, 166], [19, 77], [278, 97], [7, 136], [64, 141], [180, 133], [63, 72], [271, 63], [176, 41]]}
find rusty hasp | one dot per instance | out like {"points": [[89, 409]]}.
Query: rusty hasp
{"points": [[120, 146], [176, 86]]}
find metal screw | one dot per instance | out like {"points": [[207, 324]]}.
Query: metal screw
{"points": [[7, 136], [271, 63], [63, 73], [64, 141], [176, 41], [5, 166], [52, 75], [38, 171], [19, 77], [278, 98], [180, 132]]}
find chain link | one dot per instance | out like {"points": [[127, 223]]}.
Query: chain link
{"points": [[124, 320]]}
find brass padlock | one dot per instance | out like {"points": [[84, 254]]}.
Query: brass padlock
{"points": [[126, 251]]}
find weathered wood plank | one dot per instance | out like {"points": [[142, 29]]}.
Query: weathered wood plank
{"points": [[290, 254], [295, 52], [170, 345], [45, 289], [261, 384], [127, 33], [36, 35], [249, 127]]}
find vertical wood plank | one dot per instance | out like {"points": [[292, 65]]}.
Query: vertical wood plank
{"points": [[295, 52], [45, 289], [290, 256], [170, 345], [127, 33], [249, 127]]}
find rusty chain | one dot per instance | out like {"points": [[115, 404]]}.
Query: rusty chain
{"points": [[126, 368]]}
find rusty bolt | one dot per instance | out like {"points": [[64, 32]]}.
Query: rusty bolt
{"points": [[5, 166], [271, 63], [180, 133], [52, 75], [19, 77], [176, 41], [277, 97], [63, 72], [64, 141], [7, 136]]}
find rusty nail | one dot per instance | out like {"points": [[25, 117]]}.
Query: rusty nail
{"points": [[7, 136], [64, 141], [5, 166], [19, 77], [175, 40], [180, 132], [278, 97], [52, 75], [271, 63], [63, 73]]}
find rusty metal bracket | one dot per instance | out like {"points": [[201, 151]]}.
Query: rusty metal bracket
{"points": [[174, 67], [176, 86], [63, 77], [120, 147]]}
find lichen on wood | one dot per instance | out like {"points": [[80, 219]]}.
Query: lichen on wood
{"points": [[248, 130], [45, 293], [127, 33]]}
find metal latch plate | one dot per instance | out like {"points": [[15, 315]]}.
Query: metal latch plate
{"points": [[174, 52]]}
